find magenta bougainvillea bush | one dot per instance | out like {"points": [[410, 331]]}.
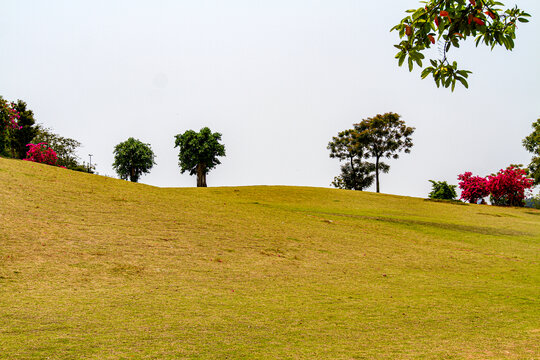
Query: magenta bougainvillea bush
{"points": [[41, 153], [473, 188], [507, 187]]}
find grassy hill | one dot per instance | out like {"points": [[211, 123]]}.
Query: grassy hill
{"points": [[97, 268]]}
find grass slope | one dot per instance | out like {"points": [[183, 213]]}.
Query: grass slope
{"points": [[97, 268]]}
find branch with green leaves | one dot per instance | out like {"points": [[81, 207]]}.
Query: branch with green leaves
{"points": [[447, 23]]}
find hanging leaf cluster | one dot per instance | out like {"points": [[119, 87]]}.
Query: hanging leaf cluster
{"points": [[445, 23]]}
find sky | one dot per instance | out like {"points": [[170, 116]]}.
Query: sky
{"points": [[278, 79]]}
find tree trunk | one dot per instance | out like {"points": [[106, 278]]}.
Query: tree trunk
{"points": [[377, 173], [353, 174], [132, 175], [201, 175]]}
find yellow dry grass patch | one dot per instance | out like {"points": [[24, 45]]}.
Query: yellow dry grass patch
{"points": [[97, 268]]}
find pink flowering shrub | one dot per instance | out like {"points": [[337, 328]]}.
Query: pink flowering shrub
{"points": [[41, 153], [508, 186], [473, 188]]}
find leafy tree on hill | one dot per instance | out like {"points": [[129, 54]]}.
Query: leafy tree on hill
{"points": [[132, 158], [65, 148], [449, 22], [9, 117], [355, 174], [27, 132], [532, 144], [383, 136], [199, 152], [442, 191]]}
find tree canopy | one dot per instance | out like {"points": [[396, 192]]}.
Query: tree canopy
{"points": [[199, 152], [133, 158], [446, 23], [27, 131], [8, 124], [65, 148], [532, 144], [441, 190], [356, 174], [383, 136]]}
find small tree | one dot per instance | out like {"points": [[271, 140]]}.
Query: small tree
{"points": [[355, 174], [65, 147], [450, 22], [532, 144], [199, 152], [441, 190], [508, 186], [383, 136], [473, 188], [132, 158], [9, 117], [26, 132]]}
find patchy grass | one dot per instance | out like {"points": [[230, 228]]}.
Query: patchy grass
{"points": [[97, 268]]}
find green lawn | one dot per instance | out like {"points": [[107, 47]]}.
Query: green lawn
{"points": [[97, 268]]}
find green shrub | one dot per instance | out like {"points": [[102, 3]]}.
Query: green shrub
{"points": [[441, 190]]}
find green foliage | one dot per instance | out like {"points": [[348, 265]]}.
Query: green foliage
{"points": [[383, 136], [447, 23], [359, 176], [198, 152], [132, 158], [532, 144], [533, 202], [5, 130], [27, 132], [355, 174], [65, 148], [442, 191]]}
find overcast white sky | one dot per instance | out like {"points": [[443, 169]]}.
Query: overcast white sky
{"points": [[277, 78]]}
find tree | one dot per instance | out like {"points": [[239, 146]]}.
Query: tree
{"points": [[442, 191], [473, 188], [508, 186], [198, 152], [358, 178], [64, 147], [449, 22], [27, 131], [355, 175], [532, 144], [9, 117], [383, 136], [132, 158]]}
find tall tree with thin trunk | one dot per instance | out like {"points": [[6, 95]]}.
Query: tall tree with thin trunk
{"points": [[356, 174], [199, 152], [383, 136]]}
